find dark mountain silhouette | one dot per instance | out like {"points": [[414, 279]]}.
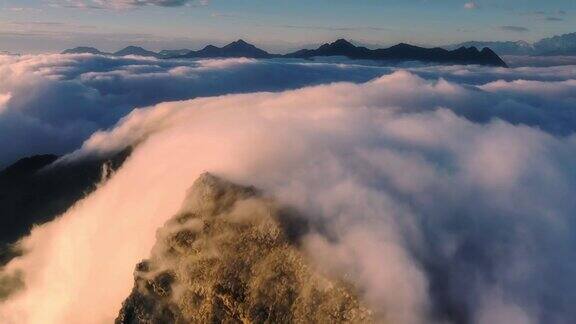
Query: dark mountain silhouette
{"points": [[404, 52], [501, 47], [84, 50], [130, 50], [341, 47], [135, 50], [32, 194], [27, 165], [239, 48]]}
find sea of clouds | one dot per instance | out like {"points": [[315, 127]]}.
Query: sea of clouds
{"points": [[52, 103], [447, 191]]}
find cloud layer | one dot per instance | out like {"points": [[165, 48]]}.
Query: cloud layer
{"points": [[444, 199], [52, 103], [126, 4]]}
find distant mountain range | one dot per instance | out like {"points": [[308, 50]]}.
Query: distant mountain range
{"points": [[130, 50], [404, 52], [341, 47], [239, 48], [557, 45]]}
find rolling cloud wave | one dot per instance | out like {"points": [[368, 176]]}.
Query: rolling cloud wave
{"points": [[444, 199]]}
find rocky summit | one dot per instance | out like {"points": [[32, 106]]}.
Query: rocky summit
{"points": [[233, 256]]}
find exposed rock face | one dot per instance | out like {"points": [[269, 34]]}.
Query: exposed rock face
{"points": [[233, 256]]}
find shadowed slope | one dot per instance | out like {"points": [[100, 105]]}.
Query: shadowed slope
{"points": [[31, 194]]}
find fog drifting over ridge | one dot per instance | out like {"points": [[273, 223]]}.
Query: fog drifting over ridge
{"points": [[447, 190]]}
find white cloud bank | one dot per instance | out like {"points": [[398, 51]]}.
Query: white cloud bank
{"points": [[436, 216], [57, 101]]}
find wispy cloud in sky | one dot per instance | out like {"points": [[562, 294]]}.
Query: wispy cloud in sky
{"points": [[472, 5], [127, 4], [334, 28], [518, 29]]}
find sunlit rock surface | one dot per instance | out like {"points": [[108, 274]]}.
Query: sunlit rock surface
{"points": [[233, 256]]}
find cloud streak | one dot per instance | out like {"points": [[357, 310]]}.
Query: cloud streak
{"points": [[517, 29], [127, 4]]}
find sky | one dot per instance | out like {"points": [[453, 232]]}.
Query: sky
{"points": [[34, 26]]}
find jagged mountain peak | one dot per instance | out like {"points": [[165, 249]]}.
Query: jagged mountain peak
{"points": [[83, 50], [401, 52], [135, 50], [28, 165], [342, 42], [229, 256], [468, 49], [402, 45], [487, 50], [239, 44], [210, 47], [133, 47], [341, 45]]}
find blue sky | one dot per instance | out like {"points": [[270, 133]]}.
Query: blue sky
{"points": [[51, 25]]}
